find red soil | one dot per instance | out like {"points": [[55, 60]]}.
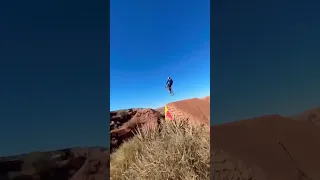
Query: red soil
{"points": [[261, 143], [196, 110]]}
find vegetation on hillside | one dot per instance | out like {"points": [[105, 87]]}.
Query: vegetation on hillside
{"points": [[176, 151]]}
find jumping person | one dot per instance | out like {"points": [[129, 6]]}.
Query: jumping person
{"points": [[169, 84]]}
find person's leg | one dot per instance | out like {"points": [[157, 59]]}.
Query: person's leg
{"points": [[171, 92]]}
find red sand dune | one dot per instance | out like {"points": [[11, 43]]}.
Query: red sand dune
{"points": [[259, 142]]}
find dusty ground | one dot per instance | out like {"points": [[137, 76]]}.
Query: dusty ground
{"points": [[269, 147], [66, 164]]}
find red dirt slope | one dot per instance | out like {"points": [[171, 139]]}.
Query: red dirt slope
{"points": [[261, 142], [197, 110]]}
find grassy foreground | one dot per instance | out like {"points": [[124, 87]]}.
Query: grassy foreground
{"points": [[177, 151]]}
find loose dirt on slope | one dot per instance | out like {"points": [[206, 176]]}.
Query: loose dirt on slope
{"points": [[266, 145], [196, 110]]}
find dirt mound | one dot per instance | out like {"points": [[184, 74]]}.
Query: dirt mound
{"points": [[268, 143], [311, 116], [207, 98], [195, 109], [124, 123], [75, 164]]}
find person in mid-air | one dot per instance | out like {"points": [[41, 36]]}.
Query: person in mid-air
{"points": [[169, 84]]}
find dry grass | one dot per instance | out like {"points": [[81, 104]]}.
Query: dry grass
{"points": [[177, 151]]}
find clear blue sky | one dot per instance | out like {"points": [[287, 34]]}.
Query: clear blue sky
{"points": [[151, 40], [265, 58], [53, 75]]}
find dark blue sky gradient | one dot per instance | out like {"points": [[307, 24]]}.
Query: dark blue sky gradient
{"points": [[53, 74], [265, 58]]}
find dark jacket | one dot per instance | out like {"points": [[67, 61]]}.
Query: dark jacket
{"points": [[169, 82]]}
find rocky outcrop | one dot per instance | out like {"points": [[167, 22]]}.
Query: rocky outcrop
{"points": [[124, 123], [75, 164]]}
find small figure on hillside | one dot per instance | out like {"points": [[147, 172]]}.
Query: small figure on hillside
{"points": [[169, 84]]}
